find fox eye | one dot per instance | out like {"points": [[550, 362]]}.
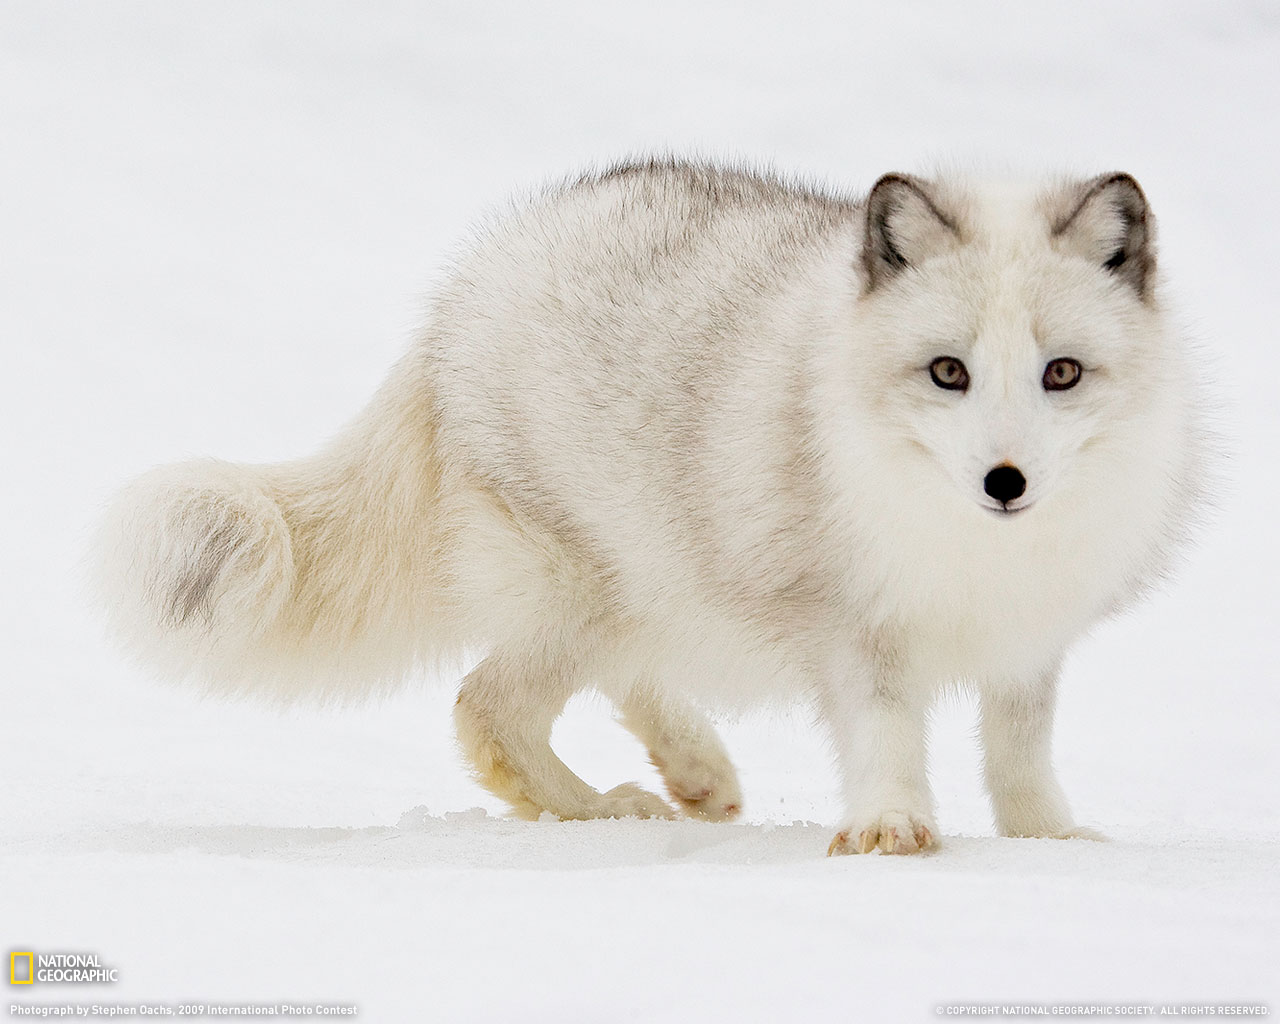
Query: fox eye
{"points": [[1061, 374], [949, 373]]}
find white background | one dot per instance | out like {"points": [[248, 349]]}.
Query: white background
{"points": [[218, 222]]}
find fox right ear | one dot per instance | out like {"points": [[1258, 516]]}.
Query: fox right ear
{"points": [[904, 227]]}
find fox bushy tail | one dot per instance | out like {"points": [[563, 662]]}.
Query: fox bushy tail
{"points": [[316, 578]]}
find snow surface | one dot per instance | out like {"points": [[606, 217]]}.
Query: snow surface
{"points": [[217, 222]]}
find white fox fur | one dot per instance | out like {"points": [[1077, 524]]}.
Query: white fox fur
{"points": [[694, 436]]}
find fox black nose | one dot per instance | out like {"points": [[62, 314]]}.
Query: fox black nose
{"points": [[1004, 483]]}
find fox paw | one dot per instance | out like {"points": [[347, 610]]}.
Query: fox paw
{"points": [[703, 787], [1041, 830], [890, 832], [630, 801]]}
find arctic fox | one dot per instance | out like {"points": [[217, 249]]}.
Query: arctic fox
{"points": [[695, 436]]}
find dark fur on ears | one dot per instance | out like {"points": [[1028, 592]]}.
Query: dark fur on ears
{"points": [[1111, 223], [904, 225]]}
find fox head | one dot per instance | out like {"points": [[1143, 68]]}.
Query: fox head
{"points": [[1015, 331]]}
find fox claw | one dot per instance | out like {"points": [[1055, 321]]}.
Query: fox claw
{"points": [[894, 832]]}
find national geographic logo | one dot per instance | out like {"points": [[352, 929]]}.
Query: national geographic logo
{"points": [[61, 968], [22, 968]]}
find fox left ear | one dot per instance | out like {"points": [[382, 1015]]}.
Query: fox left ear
{"points": [[1110, 224]]}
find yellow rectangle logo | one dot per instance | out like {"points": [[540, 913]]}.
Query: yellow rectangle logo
{"points": [[15, 976]]}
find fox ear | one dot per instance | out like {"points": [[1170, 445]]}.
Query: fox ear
{"points": [[904, 228], [1110, 224]]}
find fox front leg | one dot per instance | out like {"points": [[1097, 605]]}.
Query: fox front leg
{"points": [[878, 726], [1017, 727]]}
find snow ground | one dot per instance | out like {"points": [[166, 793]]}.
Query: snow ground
{"points": [[216, 224]]}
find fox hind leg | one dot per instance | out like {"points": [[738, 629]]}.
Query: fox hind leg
{"points": [[504, 714], [688, 754]]}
